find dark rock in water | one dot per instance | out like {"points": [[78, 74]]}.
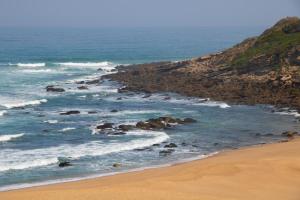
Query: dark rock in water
{"points": [[64, 162], [52, 88], [119, 98], [41, 115], [289, 134], [116, 165], [167, 98], [189, 120], [79, 82], [168, 119], [93, 81], [184, 144], [114, 110], [99, 69], [125, 127], [92, 112], [166, 152], [71, 112], [113, 70], [83, 87], [122, 90], [46, 130], [216, 144], [146, 96], [156, 145], [105, 126], [257, 134], [171, 145], [117, 133], [143, 125]]}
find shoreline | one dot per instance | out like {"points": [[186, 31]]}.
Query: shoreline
{"points": [[113, 179]]}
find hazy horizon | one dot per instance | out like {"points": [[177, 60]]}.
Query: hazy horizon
{"points": [[142, 13]]}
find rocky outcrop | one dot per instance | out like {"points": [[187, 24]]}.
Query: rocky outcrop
{"points": [[71, 112], [259, 70]]}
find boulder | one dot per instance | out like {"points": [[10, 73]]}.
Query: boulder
{"points": [[146, 96], [171, 145], [105, 126], [93, 81], [83, 87], [116, 165], [289, 134], [125, 127], [189, 120], [52, 88], [79, 82], [166, 152], [114, 110], [71, 112], [64, 162]]}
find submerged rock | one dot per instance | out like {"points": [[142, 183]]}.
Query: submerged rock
{"points": [[96, 81], [289, 134], [71, 112], [166, 152], [171, 145], [114, 110], [83, 87]]}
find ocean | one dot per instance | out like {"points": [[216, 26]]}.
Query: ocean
{"points": [[34, 134]]}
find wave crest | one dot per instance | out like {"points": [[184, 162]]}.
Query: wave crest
{"points": [[5, 138]]}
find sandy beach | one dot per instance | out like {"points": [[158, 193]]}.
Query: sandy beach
{"points": [[262, 172]]}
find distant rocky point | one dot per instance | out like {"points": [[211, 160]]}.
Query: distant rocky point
{"points": [[259, 70]]}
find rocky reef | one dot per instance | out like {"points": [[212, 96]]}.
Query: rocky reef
{"points": [[259, 70]]}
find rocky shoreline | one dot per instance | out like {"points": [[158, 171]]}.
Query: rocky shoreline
{"points": [[260, 70]]}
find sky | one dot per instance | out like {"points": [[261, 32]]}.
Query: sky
{"points": [[144, 13]]}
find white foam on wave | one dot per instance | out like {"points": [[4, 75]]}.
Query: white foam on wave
{"points": [[3, 112], [28, 65], [51, 121], [12, 103], [289, 112], [5, 138], [67, 129], [22, 159], [94, 65], [33, 71]]}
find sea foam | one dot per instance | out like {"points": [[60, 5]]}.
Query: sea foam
{"points": [[18, 104], [5, 138], [22, 159]]}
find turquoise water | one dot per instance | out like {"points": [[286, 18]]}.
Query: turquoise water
{"points": [[33, 134]]}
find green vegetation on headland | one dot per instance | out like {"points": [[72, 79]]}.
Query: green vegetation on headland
{"points": [[274, 44]]}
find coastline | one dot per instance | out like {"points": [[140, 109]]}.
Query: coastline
{"points": [[270, 171]]}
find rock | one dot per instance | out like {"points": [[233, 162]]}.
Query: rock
{"points": [[79, 82], [116, 165], [83, 87], [71, 112], [64, 162], [156, 145], [143, 125], [168, 119], [166, 152], [183, 144], [167, 98], [52, 88], [92, 112], [289, 134], [171, 145], [117, 133], [105, 126], [114, 110], [189, 120], [146, 96], [124, 127], [93, 81], [119, 98]]}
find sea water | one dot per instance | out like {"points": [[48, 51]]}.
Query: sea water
{"points": [[33, 133]]}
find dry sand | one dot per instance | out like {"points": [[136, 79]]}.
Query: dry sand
{"points": [[266, 172]]}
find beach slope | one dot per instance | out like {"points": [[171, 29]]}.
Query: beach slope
{"points": [[262, 172]]}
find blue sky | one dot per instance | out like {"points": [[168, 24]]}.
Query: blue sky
{"points": [[144, 13]]}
